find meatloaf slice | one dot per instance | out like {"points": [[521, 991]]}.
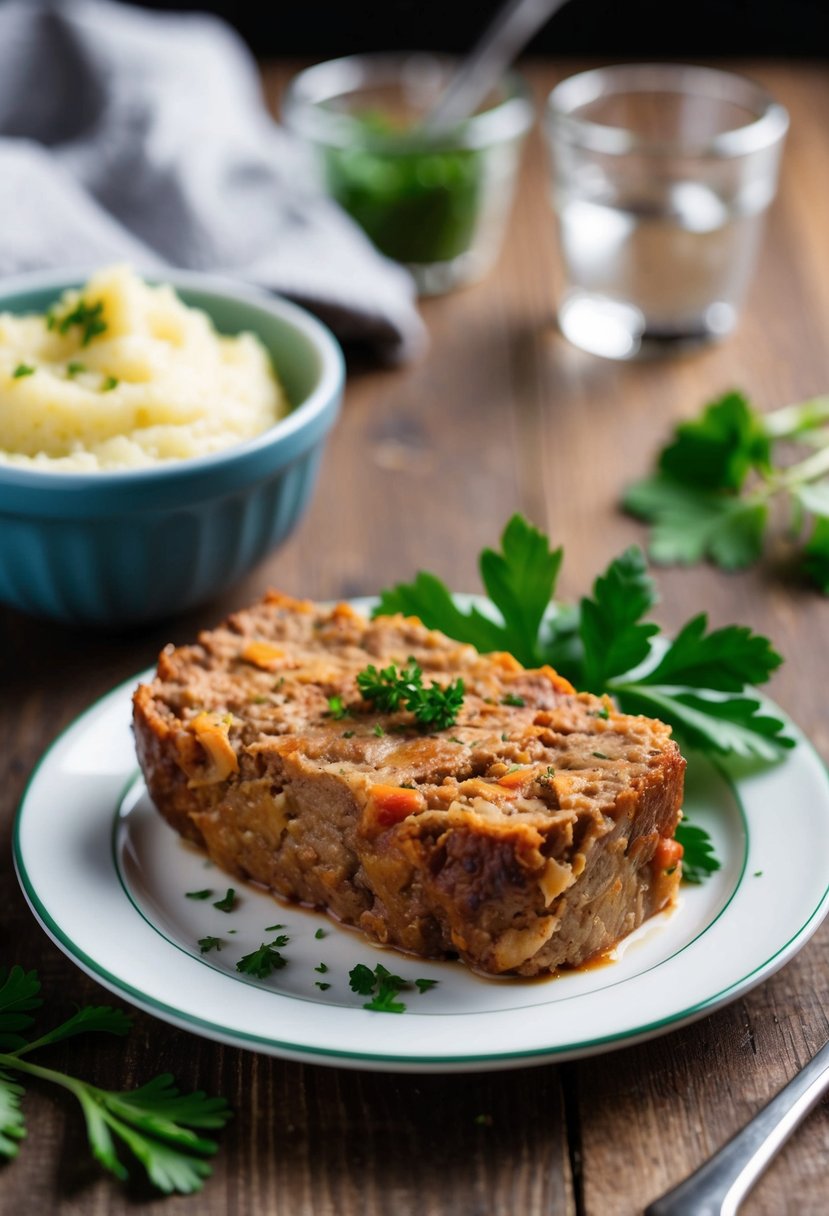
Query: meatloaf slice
{"points": [[532, 835]]}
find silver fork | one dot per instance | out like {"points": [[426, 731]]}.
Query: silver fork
{"points": [[719, 1186]]}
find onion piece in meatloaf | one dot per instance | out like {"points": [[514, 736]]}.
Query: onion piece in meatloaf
{"points": [[532, 835]]}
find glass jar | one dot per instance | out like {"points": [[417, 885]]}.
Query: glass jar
{"points": [[662, 174], [437, 203]]}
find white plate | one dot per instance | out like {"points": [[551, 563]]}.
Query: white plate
{"points": [[107, 879]]}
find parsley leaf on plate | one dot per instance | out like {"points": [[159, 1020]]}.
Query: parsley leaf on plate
{"points": [[424, 985], [520, 580], [228, 901], [700, 686], [730, 726], [383, 987], [262, 961], [698, 860], [696, 664], [724, 660], [384, 999], [430, 600], [361, 979], [615, 639]]}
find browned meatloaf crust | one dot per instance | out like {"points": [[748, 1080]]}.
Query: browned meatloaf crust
{"points": [[532, 835]]}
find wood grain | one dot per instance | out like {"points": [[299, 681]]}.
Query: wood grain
{"points": [[423, 469]]}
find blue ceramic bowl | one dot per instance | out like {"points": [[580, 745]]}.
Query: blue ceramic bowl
{"points": [[119, 548]]}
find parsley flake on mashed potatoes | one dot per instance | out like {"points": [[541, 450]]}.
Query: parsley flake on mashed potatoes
{"points": [[121, 375]]}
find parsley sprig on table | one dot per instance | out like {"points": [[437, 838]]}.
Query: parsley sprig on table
{"points": [[432, 704], [701, 682], [155, 1122], [711, 495]]}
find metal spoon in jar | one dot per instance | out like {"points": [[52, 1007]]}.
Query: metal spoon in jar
{"points": [[719, 1186], [512, 28]]}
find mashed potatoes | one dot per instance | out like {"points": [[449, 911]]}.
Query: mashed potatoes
{"points": [[122, 375]]}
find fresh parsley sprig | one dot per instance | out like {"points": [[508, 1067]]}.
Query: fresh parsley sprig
{"points": [[156, 1123], [715, 480], [520, 581], [698, 685], [701, 683], [433, 705]]}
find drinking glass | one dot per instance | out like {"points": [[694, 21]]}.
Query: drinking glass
{"points": [[436, 203], [662, 174]]}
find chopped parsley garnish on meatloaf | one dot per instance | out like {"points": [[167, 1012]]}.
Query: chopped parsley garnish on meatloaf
{"points": [[389, 689]]}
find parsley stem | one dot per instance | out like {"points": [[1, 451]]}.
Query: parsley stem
{"points": [[43, 1041], [790, 420], [815, 439], [13, 1060], [810, 469]]}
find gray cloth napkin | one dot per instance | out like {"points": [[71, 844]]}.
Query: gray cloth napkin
{"points": [[143, 137]]}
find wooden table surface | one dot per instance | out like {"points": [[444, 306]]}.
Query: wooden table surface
{"points": [[424, 468]]}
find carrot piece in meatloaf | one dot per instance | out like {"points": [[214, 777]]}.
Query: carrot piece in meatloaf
{"points": [[531, 835]]}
